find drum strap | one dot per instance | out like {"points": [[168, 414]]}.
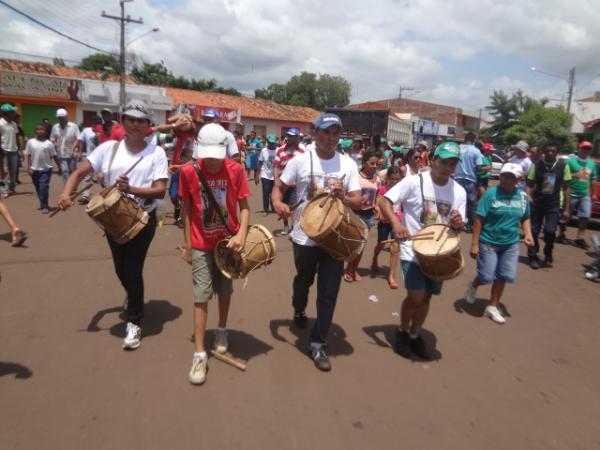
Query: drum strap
{"points": [[211, 196], [112, 156], [422, 217]]}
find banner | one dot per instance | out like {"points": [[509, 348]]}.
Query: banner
{"points": [[29, 85], [227, 115]]}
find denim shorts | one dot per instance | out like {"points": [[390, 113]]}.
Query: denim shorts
{"points": [[497, 262], [174, 186], [414, 279], [385, 231], [581, 206], [367, 216]]}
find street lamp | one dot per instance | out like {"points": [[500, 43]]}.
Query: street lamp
{"points": [[570, 82], [153, 30]]}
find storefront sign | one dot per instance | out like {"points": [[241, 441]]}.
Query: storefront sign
{"points": [[24, 84], [228, 115]]}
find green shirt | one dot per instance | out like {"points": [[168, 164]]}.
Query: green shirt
{"points": [[586, 171], [502, 213], [485, 175]]}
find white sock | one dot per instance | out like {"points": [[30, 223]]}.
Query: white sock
{"points": [[200, 355], [222, 329]]}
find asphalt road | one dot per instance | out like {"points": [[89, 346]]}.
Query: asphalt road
{"points": [[65, 382]]}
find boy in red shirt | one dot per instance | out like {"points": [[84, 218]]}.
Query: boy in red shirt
{"points": [[204, 227]]}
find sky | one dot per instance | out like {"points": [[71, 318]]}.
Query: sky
{"points": [[450, 52]]}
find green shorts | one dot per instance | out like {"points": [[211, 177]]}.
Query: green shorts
{"points": [[416, 280], [208, 281]]}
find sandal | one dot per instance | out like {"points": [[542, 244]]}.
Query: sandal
{"points": [[19, 237], [393, 284], [348, 278], [357, 277]]}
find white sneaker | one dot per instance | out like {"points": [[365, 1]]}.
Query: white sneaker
{"points": [[221, 343], [133, 337], [592, 275], [494, 313], [198, 371], [471, 293]]}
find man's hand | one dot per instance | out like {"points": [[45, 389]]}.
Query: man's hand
{"points": [[186, 254], [565, 215], [99, 178], [337, 188], [65, 202], [237, 242], [282, 209], [456, 221], [528, 240], [256, 180], [474, 251], [401, 232], [123, 184]]}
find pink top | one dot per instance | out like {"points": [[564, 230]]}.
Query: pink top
{"points": [[368, 191]]}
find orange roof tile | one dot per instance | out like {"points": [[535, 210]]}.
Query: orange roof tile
{"points": [[39, 68], [249, 107]]}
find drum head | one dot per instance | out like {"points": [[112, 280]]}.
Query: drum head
{"points": [[267, 236], [321, 215], [443, 241], [96, 202]]}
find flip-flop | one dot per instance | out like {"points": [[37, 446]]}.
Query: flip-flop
{"points": [[348, 278], [393, 285], [357, 277], [19, 238]]}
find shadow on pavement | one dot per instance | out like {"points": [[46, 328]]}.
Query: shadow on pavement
{"points": [[242, 345], [6, 237], [476, 309], [156, 314], [336, 342], [385, 336], [20, 371]]}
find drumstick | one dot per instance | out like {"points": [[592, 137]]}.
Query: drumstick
{"points": [[229, 360], [132, 167], [73, 197], [420, 237]]}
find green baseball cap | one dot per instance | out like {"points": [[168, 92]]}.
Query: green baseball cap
{"points": [[272, 139], [447, 150], [399, 149], [7, 107]]}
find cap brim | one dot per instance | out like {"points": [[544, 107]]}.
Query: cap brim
{"points": [[212, 151], [447, 155], [328, 125], [136, 114]]}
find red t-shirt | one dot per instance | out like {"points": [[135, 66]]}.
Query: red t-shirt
{"points": [[184, 148], [229, 186], [117, 132]]}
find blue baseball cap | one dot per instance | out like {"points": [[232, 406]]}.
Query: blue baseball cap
{"points": [[293, 132], [210, 113], [327, 120]]}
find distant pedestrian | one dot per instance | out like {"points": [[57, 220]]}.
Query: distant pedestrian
{"points": [[40, 154], [9, 145], [282, 157], [519, 156], [466, 175], [485, 171], [64, 135], [265, 168]]}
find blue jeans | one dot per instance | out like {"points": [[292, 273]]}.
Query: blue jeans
{"points": [[174, 186], [471, 190], [309, 261], [41, 181], [267, 188], [68, 166], [497, 262], [549, 217]]}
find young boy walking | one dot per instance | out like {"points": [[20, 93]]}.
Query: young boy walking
{"points": [[208, 217]]}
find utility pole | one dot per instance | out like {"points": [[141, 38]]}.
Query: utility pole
{"points": [[571, 82], [123, 20], [404, 88]]}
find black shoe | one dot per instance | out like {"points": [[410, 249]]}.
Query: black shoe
{"points": [[320, 359], [581, 243], [548, 262], [402, 346], [562, 239], [179, 223], [534, 263], [417, 346], [300, 319]]}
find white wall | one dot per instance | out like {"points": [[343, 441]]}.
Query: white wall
{"points": [[250, 122], [583, 112]]}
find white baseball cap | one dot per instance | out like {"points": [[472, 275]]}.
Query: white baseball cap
{"points": [[61, 112], [212, 142], [513, 168]]}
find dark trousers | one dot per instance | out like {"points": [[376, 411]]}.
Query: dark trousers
{"points": [[267, 188], [129, 265], [549, 218], [41, 181], [309, 261], [471, 190], [12, 166]]}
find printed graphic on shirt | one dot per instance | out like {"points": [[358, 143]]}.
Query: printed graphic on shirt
{"points": [[187, 150], [321, 183], [211, 221], [548, 183], [368, 196], [436, 211]]}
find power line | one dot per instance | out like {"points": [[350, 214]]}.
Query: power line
{"points": [[2, 50], [53, 29]]}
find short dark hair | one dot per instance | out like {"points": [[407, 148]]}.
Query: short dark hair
{"points": [[470, 136], [550, 144], [393, 170], [371, 154]]}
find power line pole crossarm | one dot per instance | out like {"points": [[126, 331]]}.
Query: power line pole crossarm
{"points": [[123, 20], [571, 86]]}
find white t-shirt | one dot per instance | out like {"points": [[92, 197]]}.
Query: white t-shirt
{"points": [[9, 132], [41, 153], [152, 168], [267, 156], [439, 201], [64, 138], [525, 164], [87, 136], [297, 173], [232, 148]]}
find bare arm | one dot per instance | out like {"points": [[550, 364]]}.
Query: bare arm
{"points": [[387, 211], [353, 199], [157, 190], [238, 241], [281, 208], [187, 236], [477, 226], [65, 201]]}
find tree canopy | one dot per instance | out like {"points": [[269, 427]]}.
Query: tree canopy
{"points": [[98, 63], [309, 89]]}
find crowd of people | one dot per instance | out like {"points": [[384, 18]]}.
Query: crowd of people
{"points": [[207, 171]]}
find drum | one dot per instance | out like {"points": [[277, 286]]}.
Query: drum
{"points": [[438, 256], [327, 221], [260, 250], [117, 214]]}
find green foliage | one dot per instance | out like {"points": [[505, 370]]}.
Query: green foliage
{"points": [[98, 62], [541, 125], [59, 62], [309, 89]]}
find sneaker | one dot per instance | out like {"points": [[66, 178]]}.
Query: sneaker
{"points": [[220, 345], [494, 313], [548, 262], [417, 347], [592, 274], [471, 293], [534, 263], [581, 243], [197, 373], [300, 319], [83, 200], [45, 211], [133, 337], [562, 239], [285, 231], [320, 359], [402, 346]]}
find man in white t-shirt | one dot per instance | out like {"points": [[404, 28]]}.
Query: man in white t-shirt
{"points": [[212, 116], [265, 166], [84, 145], [320, 169], [64, 135], [9, 147], [520, 157], [439, 199]]}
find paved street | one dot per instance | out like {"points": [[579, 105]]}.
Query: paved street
{"points": [[65, 383]]}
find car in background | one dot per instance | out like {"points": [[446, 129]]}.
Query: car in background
{"points": [[498, 160]]}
